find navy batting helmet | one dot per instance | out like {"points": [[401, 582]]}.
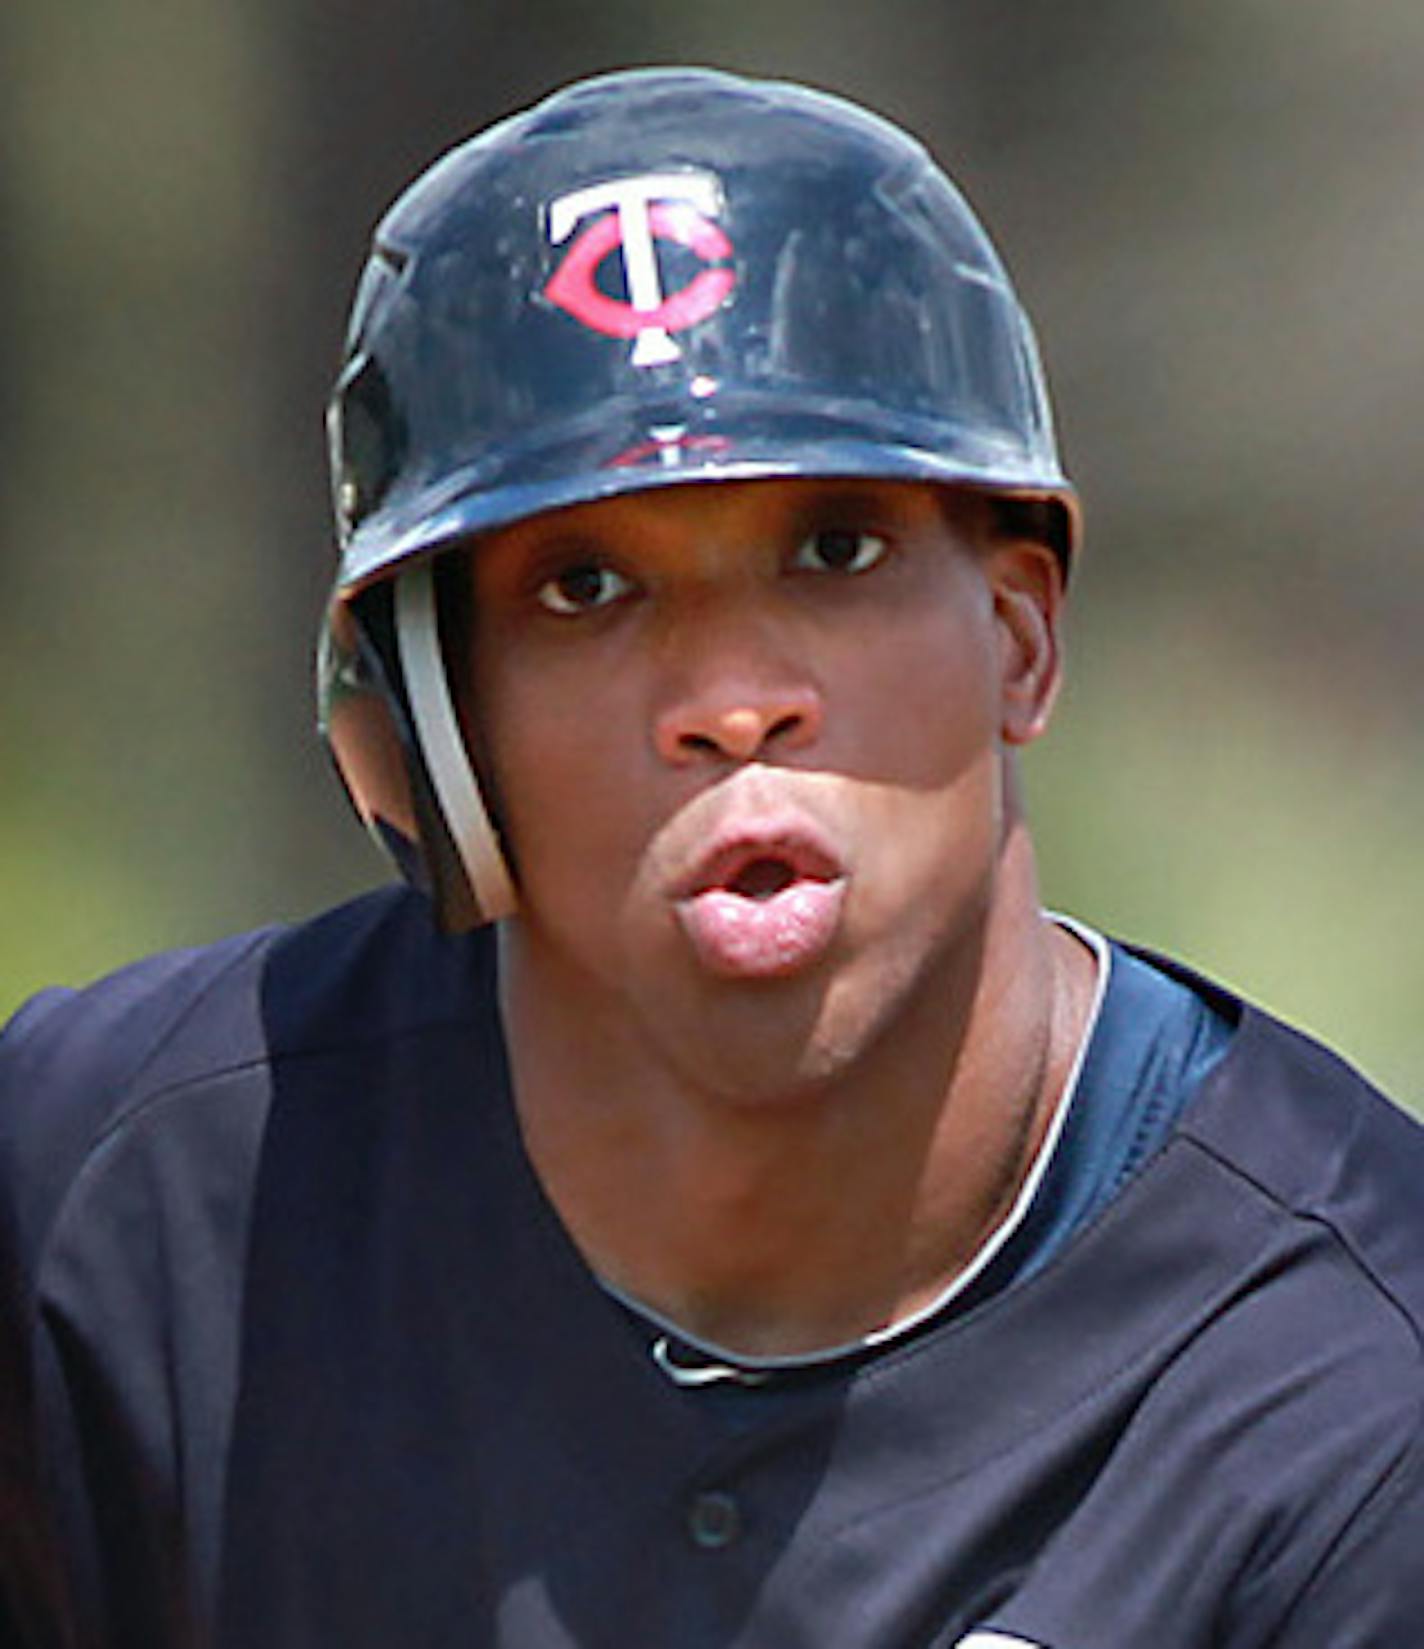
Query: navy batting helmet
{"points": [[657, 277]]}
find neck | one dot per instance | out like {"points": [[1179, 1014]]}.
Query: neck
{"points": [[812, 1215]]}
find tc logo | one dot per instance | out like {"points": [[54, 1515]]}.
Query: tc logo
{"points": [[631, 214]]}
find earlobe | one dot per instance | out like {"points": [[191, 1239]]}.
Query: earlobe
{"points": [[1028, 597]]}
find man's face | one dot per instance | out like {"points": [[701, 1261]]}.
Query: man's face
{"points": [[747, 743]]}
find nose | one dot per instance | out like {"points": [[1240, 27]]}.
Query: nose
{"points": [[737, 708]]}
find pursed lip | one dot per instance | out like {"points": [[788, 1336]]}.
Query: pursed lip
{"points": [[791, 842], [764, 900]]}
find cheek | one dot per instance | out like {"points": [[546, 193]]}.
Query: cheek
{"points": [[932, 813], [561, 761], [923, 709]]}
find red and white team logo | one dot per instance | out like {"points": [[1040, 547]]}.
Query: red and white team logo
{"points": [[630, 215]]}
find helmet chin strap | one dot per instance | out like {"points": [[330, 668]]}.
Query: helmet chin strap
{"points": [[442, 744]]}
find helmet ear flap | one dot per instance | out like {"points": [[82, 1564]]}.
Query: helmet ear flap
{"points": [[390, 725]]}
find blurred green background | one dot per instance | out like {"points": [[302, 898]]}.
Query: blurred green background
{"points": [[1215, 211]]}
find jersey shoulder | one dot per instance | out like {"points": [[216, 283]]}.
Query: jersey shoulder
{"points": [[1268, 1485], [1315, 1137], [77, 1066]]}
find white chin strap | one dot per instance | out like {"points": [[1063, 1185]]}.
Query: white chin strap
{"points": [[442, 744]]}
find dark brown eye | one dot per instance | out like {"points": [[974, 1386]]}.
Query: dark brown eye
{"points": [[581, 589], [839, 550]]}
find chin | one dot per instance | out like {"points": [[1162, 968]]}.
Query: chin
{"points": [[781, 1042]]}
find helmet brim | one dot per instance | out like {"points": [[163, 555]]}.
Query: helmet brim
{"points": [[642, 449]]}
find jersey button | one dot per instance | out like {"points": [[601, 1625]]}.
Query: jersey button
{"points": [[714, 1520]]}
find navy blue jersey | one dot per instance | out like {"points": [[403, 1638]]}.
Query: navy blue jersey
{"points": [[294, 1352]]}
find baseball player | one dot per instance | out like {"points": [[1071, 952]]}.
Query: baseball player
{"points": [[712, 1204]]}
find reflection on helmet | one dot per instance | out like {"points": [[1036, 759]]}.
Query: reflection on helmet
{"points": [[657, 277]]}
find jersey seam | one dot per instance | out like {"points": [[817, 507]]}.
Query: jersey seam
{"points": [[131, 1107], [1340, 1237], [142, 1105], [1388, 1486], [175, 1089], [135, 1079]]}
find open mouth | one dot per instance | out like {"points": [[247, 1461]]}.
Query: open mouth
{"points": [[763, 878], [762, 869], [764, 909]]}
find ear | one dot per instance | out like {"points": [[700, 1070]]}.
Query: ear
{"points": [[1026, 578]]}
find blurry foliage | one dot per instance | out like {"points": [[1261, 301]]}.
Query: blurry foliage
{"points": [[1216, 213]]}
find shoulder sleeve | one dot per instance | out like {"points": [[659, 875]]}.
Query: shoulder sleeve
{"points": [[132, 1122], [1369, 1591], [73, 1064]]}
